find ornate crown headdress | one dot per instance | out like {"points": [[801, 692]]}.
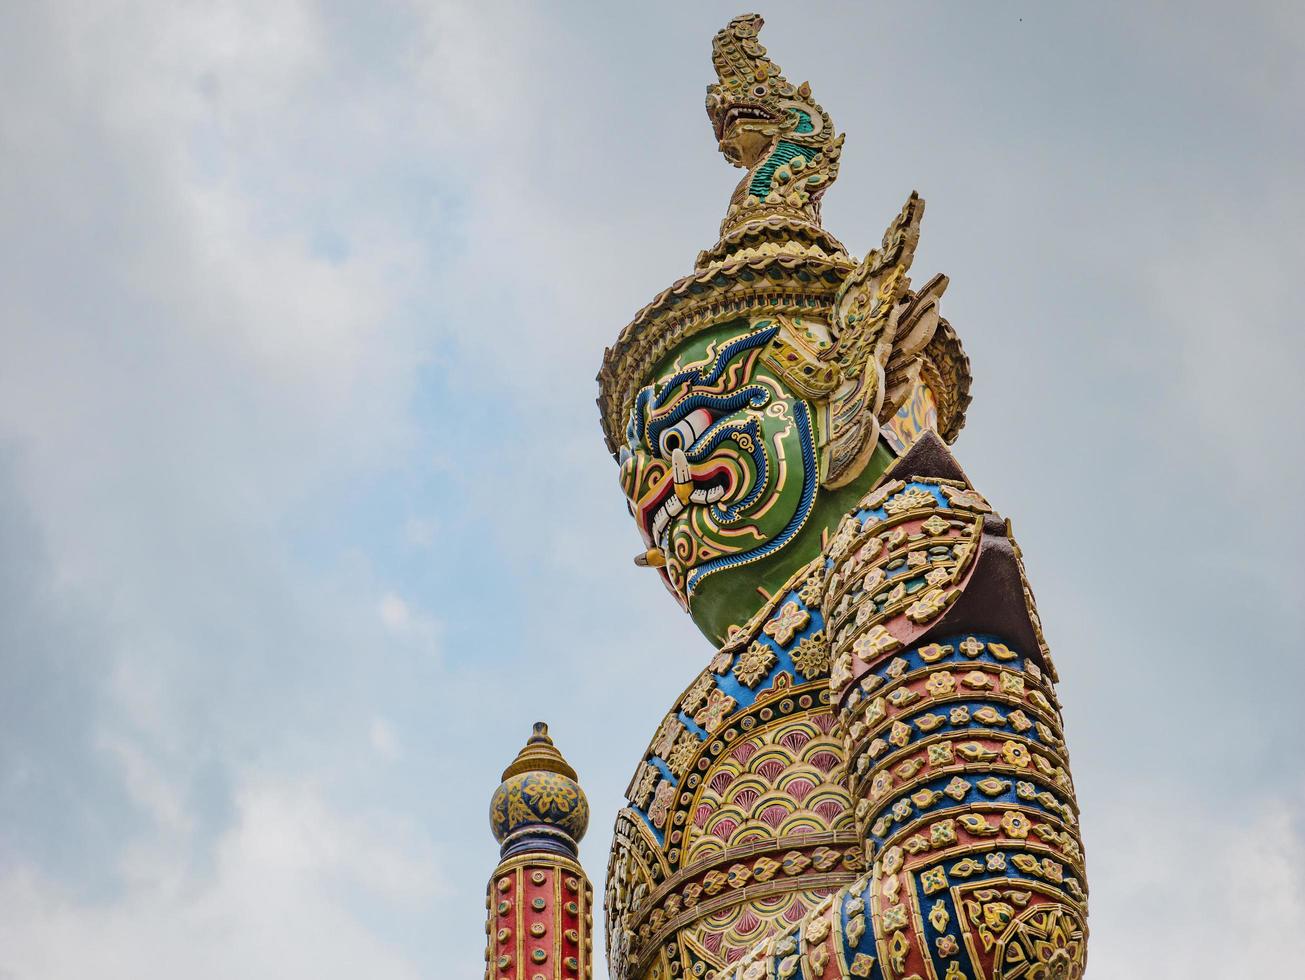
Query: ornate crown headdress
{"points": [[774, 258]]}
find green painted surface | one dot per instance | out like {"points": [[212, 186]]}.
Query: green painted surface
{"points": [[731, 596]]}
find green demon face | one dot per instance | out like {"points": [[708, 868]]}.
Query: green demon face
{"points": [[720, 465], [721, 468]]}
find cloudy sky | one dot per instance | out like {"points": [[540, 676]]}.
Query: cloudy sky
{"points": [[304, 511]]}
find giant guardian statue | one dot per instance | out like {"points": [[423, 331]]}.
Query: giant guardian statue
{"points": [[869, 776]]}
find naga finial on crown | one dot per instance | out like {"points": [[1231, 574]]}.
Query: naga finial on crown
{"points": [[779, 134]]}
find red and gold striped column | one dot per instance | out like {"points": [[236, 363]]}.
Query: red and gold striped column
{"points": [[540, 902]]}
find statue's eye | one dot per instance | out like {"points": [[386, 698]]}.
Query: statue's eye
{"points": [[685, 432]]}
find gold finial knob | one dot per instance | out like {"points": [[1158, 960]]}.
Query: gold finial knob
{"points": [[539, 755]]}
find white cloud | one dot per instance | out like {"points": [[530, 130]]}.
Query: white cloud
{"points": [[419, 532], [385, 739], [395, 613], [406, 623], [280, 901], [1183, 894]]}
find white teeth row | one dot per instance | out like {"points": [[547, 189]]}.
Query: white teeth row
{"points": [[660, 522], [704, 496], [672, 507]]}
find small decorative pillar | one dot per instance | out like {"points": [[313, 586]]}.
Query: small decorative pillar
{"points": [[539, 901]]}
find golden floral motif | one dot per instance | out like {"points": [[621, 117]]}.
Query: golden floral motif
{"points": [[1040, 699], [940, 682], [818, 957], [697, 693], [895, 917], [1015, 824], [934, 880], [966, 499], [942, 833], [790, 621], [840, 671], [1016, 754], [713, 714], [811, 655], [934, 526], [867, 552], [714, 881], [875, 711], [1012, 684], [754, 664], [812, 590], [912, 498], [642, 791], [875, 499], [862, 965], [940, 754], [1046, 943], [666, 734], [899, 734], [682, 753], [877, 641], [660, 810], [847, 529]]}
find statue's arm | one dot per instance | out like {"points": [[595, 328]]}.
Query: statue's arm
{"points": [[957, 763]]}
